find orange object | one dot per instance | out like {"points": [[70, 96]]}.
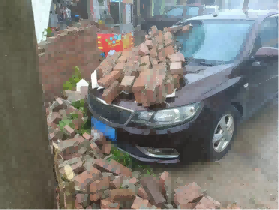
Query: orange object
{"points": [[117, 42]]}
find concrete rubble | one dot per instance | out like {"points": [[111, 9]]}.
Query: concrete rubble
{"points": [[87, 180], [150, 71]]}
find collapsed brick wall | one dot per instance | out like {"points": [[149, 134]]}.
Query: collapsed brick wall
{"points": [[61, 53]]}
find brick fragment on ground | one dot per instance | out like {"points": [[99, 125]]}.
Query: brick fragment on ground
{"points": [[117, 182], [106, 148], [82, 199], [187, 194], [145, 61], [87, 136], [83, 180], [78, 122], [71, 109], [152, 188], [97, 137], [112, 167], [140, 203], [69, 131], [142, 193], [122, 194], [207, 203], [122, 59], [153, 52], [112, 92], [109, 204], [95, 196], [99, 185], [176, 68], [54, 117]]}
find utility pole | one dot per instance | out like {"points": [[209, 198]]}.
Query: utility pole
{"points": [[26, 165]]}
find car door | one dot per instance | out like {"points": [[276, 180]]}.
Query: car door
{"points": [[263, 74]]}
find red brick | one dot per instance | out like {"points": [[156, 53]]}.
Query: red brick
{"points": [[140, 203], [117, 182], [168, 39], [164, 176], [177, 57], [109, 79], [69, 131], [127, 83], [122, 194], [176, 68], [207, 203], [144, 61], [153, 52], [109, 204], [78, 122], [119, 67], [106, 148], [95, 197], [55, 117], [149, 44], [176, 80], [98, 137], [70, 156], [87, 136], [101, 184], [71, 109], [147, 37], [143, 50], [186, 194], [113, 167], [169, 50], [78, 168], [122, 59], [94, 147], [83, 180], [112, 92], [59, 101], [153, 189], [141, 80], [142, 193]]}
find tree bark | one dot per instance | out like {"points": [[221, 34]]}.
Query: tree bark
{"points": [[26, 163]]}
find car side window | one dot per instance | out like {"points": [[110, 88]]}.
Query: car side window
{"points": [[268, 35]]}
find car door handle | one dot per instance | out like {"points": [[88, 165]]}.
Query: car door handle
{"points": [[256, 63]]}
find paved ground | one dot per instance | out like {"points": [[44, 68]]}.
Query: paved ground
{"points": [[248, 174]]}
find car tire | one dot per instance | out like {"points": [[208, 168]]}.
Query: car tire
{"points": [[210, 146]]}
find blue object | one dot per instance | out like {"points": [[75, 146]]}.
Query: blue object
{"points": [[108, 132], [110, 38], [76, 15], [115, 36], [113, 42]]}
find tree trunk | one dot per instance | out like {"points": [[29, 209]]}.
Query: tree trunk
{"points": [[26, 163]]}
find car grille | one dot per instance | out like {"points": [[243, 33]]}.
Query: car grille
{"points": [[111, 113]]}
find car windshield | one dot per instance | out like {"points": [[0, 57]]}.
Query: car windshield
{"points": [[175, 12], [213, 40]]}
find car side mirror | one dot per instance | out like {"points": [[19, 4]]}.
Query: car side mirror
{"points": [[266, 53]]}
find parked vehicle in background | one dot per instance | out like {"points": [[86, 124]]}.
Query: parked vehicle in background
{"points": [[172, 16]]}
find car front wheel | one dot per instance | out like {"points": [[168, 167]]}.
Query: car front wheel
{"points": [[222, 133]]}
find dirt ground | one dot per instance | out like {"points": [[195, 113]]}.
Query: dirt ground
{"points": [[248, 175]]}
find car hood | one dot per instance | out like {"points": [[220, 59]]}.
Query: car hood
{"points": [[199, 80]]}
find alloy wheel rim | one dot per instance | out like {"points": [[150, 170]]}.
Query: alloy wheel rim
{"points": [[223, 133]]}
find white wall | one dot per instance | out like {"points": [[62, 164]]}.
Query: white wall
{"points": [[41, 9]]}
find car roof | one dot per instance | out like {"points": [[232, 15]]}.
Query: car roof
{"points": [[236, 15]]}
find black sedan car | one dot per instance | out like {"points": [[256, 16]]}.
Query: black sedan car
{"points": [[231, 71]]}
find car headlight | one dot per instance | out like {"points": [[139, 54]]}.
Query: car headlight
{"points": [[166, 117]]}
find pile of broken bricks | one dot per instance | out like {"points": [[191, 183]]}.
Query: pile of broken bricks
{"points": [[150, 71], [87, 180]]}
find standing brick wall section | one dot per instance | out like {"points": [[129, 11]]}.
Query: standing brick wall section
{"points": [[61, 53]]}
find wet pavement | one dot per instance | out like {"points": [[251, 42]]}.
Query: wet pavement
{"points": [[248, 174]]}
